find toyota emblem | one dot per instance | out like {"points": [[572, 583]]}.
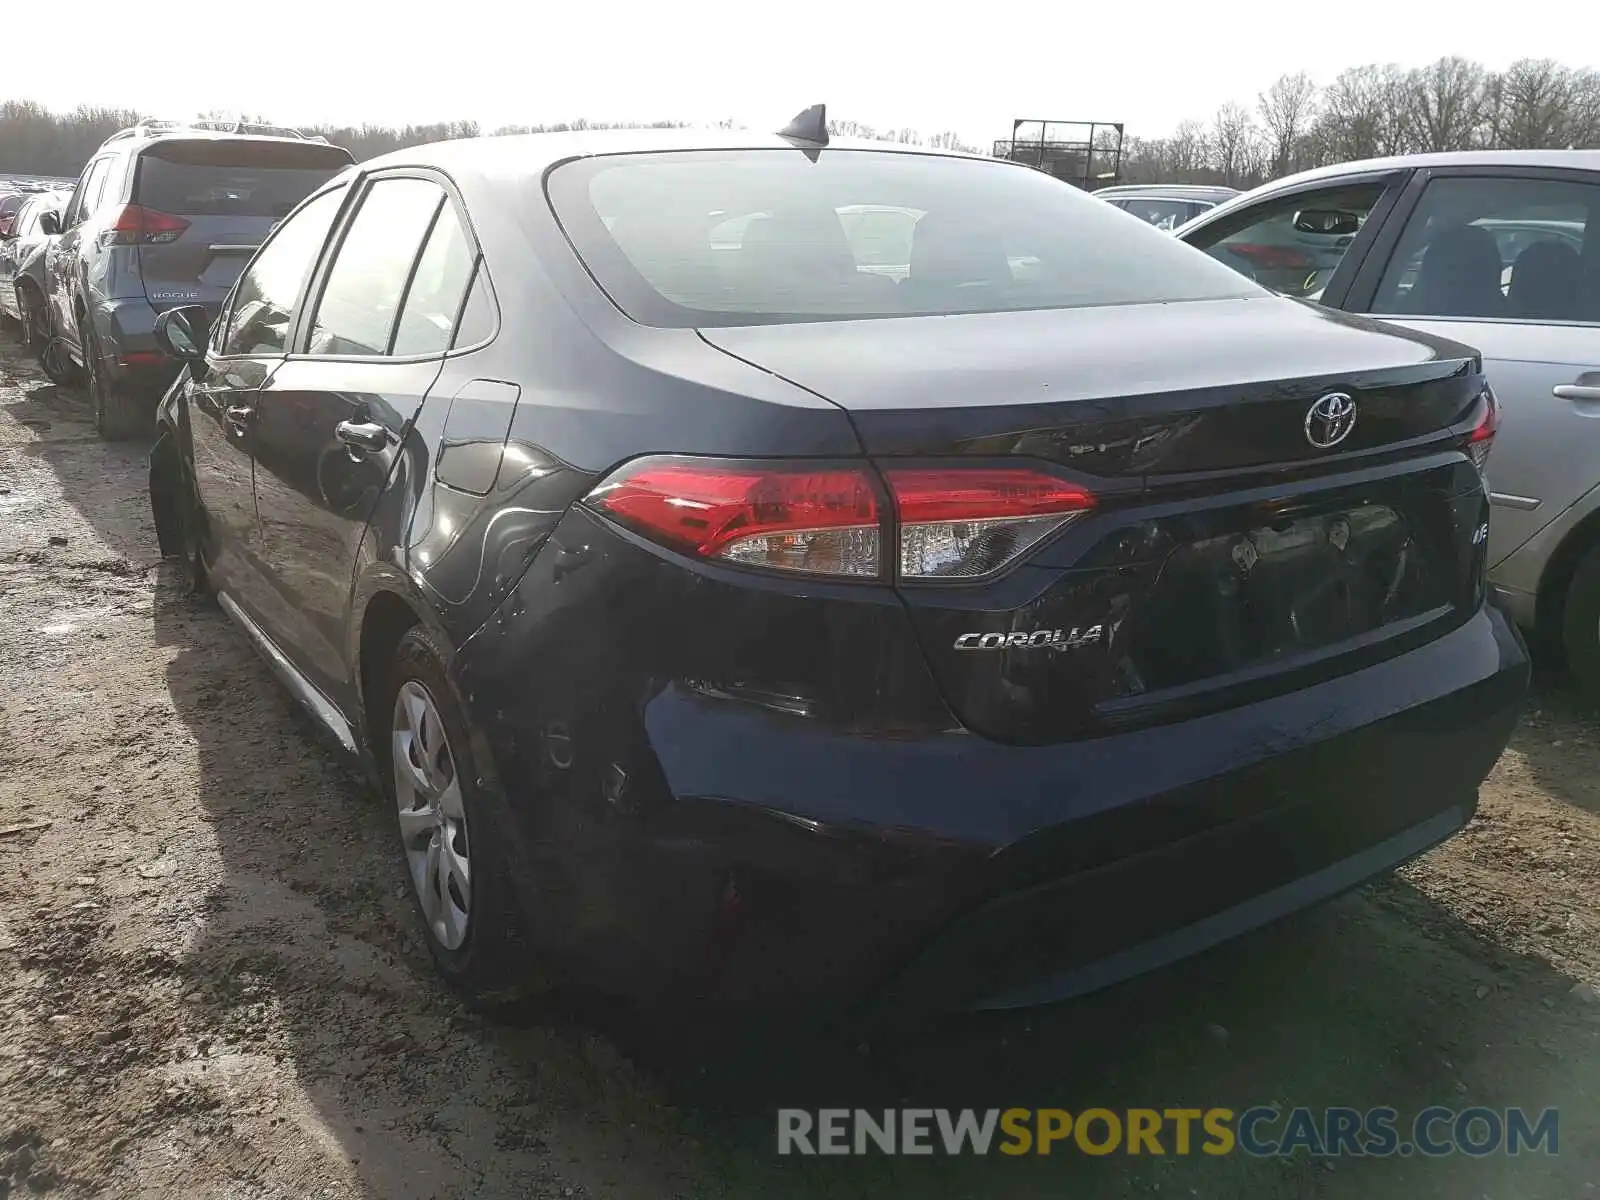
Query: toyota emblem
{"points": [[1330, 420]]}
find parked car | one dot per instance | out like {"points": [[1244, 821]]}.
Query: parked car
{"points": [[10, 202], [743, 626], [21, 297], [1500, 249], [164, 214], [1165, 206]]}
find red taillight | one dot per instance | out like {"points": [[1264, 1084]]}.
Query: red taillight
{"points": [[135, 224], [956, 523], [792, 518], [1271, 258], [1481, 440], [5, 223], [967, 523]]}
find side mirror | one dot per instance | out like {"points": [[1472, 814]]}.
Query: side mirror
{"points": [[181, 333], [50, 222], [1328, 221]]}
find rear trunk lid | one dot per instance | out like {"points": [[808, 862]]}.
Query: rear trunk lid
{"points": [[210, 202], [1237, 547]]}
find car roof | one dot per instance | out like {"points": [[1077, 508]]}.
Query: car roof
{"points": [[1582, 160], [524, 154], [1168, 188], [209, 135], [1186, 191]]}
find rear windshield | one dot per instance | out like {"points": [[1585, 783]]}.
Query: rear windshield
{"points": [[766, 236], [228, 180]]}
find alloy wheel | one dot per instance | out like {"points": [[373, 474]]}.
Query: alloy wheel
{"points": [[433, 819]]}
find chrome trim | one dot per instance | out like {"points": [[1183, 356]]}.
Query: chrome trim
{"points": [[1506, 500], [318, 705]]}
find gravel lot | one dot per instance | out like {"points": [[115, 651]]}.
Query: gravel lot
{"points": [[210, 985]]}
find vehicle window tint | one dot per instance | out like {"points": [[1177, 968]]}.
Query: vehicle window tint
{"points": [[661, 233], [434, 298], [101, 193], [1496, 249], [263, 306], [193, 189], [477, 317], [1163, 214], [88, 188], [360, 301], [1291, 244], [27, 217]]}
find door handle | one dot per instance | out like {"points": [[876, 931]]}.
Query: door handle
{"points": [[239, 418], [362, 435], [1576, 391]]}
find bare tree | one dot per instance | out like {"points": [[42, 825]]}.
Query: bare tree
{"points": [[1189, 149], [1446, 101], [1287, 109], [1536, 102], [1231, 134]]}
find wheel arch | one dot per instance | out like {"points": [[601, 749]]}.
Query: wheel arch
{"points": [[384, 604], [1559, 569]]}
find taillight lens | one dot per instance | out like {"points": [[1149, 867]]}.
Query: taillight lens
{"points": [[965, 524], [955, 524], [1481, 440], [785, 518], [5, 223], [135, 224]]}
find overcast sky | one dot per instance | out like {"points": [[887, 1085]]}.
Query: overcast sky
{"points": [[930, 66]]}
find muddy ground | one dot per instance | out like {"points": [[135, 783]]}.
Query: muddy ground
{"points": [[210, 985]]}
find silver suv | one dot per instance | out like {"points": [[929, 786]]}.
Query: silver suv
{"points": [[165, 214]]}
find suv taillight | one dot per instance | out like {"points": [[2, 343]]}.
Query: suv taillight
{"points": [[135, 224], [1481, 439], [951, 523]]}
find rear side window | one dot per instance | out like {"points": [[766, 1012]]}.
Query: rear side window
{"points": [[1496, 249], [428, 317], [361, 299], [477, 315], [197, 179], [764, 236]]}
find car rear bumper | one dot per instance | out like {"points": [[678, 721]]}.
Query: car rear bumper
{"points": [[132, 356], [761, 860]]}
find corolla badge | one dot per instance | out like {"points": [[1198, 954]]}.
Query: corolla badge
{"points": [[1040, 639], [1330, 420]]}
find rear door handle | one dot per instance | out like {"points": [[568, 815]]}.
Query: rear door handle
{"points": [[239, 418], [1576, 391], [362, 435]]}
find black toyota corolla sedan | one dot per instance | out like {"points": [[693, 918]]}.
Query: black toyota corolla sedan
{"points": [[767, 572]]}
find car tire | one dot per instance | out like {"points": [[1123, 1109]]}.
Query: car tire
{"points": [[175, 504], [425, 750], [1580, 623], [119, 416]]}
